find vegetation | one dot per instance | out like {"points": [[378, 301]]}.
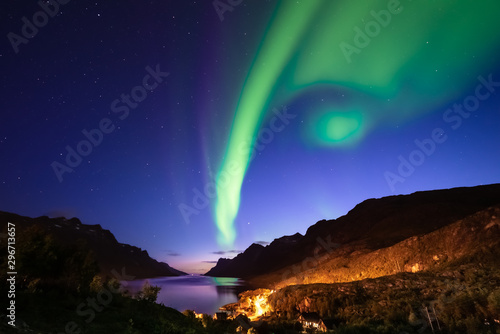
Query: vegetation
{"points": [[148, 293], [467, 303], [60, 291], [44, 264]]}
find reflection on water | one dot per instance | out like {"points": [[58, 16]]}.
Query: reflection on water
{"points": [[199, 293]]}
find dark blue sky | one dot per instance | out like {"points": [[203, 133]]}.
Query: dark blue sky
{"points": [[148, 99]]}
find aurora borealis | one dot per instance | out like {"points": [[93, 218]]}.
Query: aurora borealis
{"points": [[274, 114], [382, 58]]}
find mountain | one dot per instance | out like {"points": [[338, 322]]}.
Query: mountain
{"points": [[446, 280], [110, 254], [472, 241], [358, 239], [256, 259]]}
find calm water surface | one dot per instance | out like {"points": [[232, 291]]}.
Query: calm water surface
{"points": [[199, 293]]}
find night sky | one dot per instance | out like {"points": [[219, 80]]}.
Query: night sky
{"points": [[193, 128]]}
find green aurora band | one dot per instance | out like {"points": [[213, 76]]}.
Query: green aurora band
{"points": [[411, 53]]}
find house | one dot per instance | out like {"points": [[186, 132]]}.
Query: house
{"points": [[220, 316], [244, 324], [312, 321]]}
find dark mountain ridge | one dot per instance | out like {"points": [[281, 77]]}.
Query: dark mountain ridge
{"points": [[110, 254], [369, 226], [256, 259]]}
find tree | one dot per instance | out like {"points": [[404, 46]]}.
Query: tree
{"points": [[47, 264], [38, 256], [189, 314], [96, 285], [148, 292]]}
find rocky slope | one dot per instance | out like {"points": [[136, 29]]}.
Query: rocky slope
{"points": [[109, 253], [472, 239], [336, 248], [448, 279]]}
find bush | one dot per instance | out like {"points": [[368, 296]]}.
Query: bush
{"points": [[494, 301], [47, 265], [96, 284], [148, 292]]}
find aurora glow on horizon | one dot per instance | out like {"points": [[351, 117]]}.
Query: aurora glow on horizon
{"points": [[306, 48]]}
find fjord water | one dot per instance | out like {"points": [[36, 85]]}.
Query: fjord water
{"points": [[202, 294]]}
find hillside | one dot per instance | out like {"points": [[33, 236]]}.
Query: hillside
{"points": [[257, 259], [475, 237], [375, 224], [109, 253], [448, 278]]}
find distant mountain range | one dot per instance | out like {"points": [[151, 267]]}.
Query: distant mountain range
{"points": [[378, 237], [110, 254]]}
